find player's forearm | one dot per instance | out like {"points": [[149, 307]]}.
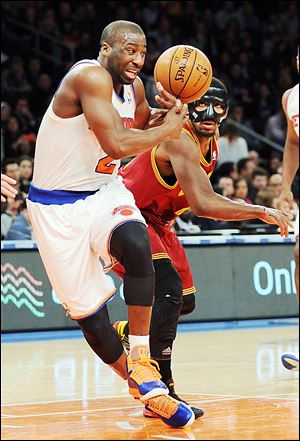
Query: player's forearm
{"points": [[290, 164], [221, 208], [131, 142]]}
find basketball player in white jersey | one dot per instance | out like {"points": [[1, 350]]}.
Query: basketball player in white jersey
{"points": [[81, 211], [290, 105]]}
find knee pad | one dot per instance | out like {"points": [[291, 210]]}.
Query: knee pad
{"points": [[166, 309], [130, 245], [101, 336], [188, 304]]}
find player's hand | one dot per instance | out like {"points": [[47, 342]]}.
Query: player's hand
{"points": [[166, 101], [6, 187], [175, 119], [277, 217], [285, 201]]}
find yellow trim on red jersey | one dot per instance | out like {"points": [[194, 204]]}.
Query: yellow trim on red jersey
{"points": [[156, 171], [157, 256], [188, 291]]}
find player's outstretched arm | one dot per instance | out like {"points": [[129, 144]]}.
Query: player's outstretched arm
{"points": [[203, 201], [6, 187]]}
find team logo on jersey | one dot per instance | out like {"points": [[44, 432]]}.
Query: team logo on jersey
{"points": [[124, 210], [295, 120]]}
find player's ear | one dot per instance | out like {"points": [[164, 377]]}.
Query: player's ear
{"points": [[105, 49]]}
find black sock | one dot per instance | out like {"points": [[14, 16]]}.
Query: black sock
{"points": [[165, 370]]}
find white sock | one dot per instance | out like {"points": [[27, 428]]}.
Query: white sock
{"points": [[138, 340]]}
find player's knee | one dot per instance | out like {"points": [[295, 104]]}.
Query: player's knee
{"points": [[130, 245], [101, 336], [188, 304]]}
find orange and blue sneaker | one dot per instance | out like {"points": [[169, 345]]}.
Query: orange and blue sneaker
{"points": [[149, 413], [172, 412], [144, 380], [123, 330]]}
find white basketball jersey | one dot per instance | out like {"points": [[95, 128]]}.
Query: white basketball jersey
{"points": [[293, 107], [68, 155]]}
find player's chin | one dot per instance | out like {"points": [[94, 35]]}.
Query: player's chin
{"points": [[208, 133]]}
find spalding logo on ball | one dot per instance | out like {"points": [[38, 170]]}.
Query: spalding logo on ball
{"points": [[184, 71]]}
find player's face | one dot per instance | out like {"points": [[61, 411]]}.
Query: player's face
{"points": [[207, 113], [127, 58]]}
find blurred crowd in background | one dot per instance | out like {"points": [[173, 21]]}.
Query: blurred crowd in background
{"points": [[252, 50]]}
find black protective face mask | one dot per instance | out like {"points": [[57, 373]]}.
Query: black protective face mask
{"points": [[215, 106]]}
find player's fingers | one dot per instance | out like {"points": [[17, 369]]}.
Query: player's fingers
{"points": [[166, 95], [3, 199]]}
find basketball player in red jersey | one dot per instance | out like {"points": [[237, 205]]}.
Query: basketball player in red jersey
{"points": [[165, 182]]}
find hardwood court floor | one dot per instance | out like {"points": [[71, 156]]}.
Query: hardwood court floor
{"points": [[57, 389]]}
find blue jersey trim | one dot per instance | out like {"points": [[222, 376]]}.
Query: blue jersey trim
{"points": [[56, 197]]}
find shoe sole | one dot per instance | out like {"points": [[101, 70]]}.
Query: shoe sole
{"points": [[150, 414]]}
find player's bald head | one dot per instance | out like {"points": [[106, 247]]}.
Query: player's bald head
{"points": [[119, 29]]}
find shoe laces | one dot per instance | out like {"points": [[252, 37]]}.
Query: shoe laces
{"points": [[143, 366], [163, 405]]}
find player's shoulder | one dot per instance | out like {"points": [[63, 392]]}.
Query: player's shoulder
{"points": [[285, 96], [85, 74]]}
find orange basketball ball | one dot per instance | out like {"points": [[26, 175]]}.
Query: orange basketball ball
{"points": [[184, 71]]}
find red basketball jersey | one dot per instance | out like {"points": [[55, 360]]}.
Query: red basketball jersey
{"points": [[158, 201]]}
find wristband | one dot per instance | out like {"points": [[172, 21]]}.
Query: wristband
{"points": [[264, 214]]}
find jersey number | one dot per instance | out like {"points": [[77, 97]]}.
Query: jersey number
{"points": [[104, 166]]}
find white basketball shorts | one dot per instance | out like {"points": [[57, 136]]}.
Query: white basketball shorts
{"points": [[72, 236]]}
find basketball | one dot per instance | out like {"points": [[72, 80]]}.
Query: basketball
{"points": [[184, 71]]}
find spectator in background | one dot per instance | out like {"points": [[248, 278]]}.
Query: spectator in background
{"points": [[25, 172], [226, 185], [14, 79], [275, 182], [226, 169], [41, 95], [24, 115], [232, 147], [275, 162], [264, 107], [275, 128], [238, 114], [20, 228], [34, 67], [259, 182], [255, 156], [245, 168], [241, 191], [11, 210], [25, 145], [11, 135], [11, 169], [265, 196]]}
